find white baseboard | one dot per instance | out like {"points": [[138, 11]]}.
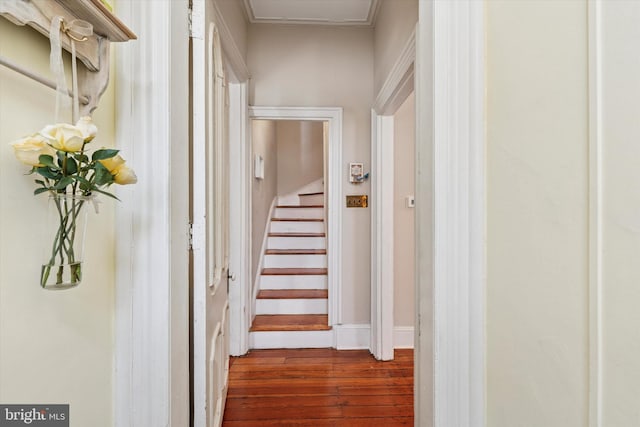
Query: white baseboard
{"points": [[403, 336], [353, 337], [290, 339]]}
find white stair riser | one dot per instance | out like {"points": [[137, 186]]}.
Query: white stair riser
{"points": [[295, 261], [317, 213], [297, 227], [291, 339], [316, 199], [296, 243], [291, 306], [293, 282]]}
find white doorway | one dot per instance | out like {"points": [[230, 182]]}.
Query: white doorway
{"points": [[333, 181]]}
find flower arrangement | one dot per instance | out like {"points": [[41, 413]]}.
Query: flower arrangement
{"points": [[59, 156]]}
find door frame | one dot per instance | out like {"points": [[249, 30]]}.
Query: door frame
{"points": [[151, 293], [332, 115], [151, 300], [239, 220], [450, 343], [397, 87]]}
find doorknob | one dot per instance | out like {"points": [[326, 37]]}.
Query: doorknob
{"points": [[231, 276]]}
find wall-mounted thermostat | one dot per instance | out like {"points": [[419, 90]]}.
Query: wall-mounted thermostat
{"points": [[356, 171]]}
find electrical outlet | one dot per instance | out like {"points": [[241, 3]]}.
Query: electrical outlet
{"points": [[361, 201]]}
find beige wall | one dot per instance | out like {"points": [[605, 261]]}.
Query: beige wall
{"points": [[300, 154], [537, 214], [404, 141], [621, 222], [321, 66], [55, 346], [263, 191], [395, 22]]}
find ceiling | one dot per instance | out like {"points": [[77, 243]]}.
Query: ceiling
{"points": [[318, 12]]}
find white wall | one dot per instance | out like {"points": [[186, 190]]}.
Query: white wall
{"points": [[55, 347], [621, 207], [537, 214], [326, 67], [395, 22], [404, 128], [300, 153], [263, 136]]}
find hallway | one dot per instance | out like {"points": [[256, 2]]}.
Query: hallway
{"points": [[319, 387]]}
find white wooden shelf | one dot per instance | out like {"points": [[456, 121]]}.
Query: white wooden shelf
{"points": [[93, 78]]}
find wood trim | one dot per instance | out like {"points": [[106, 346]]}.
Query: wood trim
{"points": [[334, 244], [239, 69], [450, 381], [595, 213], [353, 336], [382, 231], [400, 81], [239, 221], [151, 355]]}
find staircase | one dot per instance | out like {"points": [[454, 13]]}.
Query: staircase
{"points": [[292, 303]]}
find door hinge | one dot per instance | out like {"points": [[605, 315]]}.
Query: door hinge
{"points": [[190, 236], [196, 29]]}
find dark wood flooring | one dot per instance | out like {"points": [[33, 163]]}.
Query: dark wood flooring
{"points": [[319, 388]]}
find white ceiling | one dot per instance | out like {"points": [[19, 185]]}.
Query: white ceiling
{"points": [[323, 12]]}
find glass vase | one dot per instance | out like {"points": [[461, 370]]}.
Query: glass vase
{"points": [[64, 241]]}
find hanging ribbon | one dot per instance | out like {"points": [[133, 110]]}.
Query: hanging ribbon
{"points": [[78, 31]]}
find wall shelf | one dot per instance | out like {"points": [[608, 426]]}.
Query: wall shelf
{"points": [[93, 53]]}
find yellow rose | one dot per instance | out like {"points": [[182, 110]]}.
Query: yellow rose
{"points": [[125, 175], [29, 149], [122, 174], [87, 128], [64, 137], [112, 163]]}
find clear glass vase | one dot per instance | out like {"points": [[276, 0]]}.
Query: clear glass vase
{"points": [[64, 241]]}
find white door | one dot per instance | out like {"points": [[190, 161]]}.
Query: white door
{"points": [[210, 204]]}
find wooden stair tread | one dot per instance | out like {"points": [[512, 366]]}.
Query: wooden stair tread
{"points": [[293, 294], [296, 234], [290, 322], [299, 206], [294, 271], [311, 194], [298, 219], [296, 252]]}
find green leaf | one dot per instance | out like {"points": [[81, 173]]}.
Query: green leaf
{"points": [[82, 158], [39, 190], [60, 185], [61, 155], [103, 176], [48, 173], [72, 166], [47, 160], [105, 153], [39, 181]]}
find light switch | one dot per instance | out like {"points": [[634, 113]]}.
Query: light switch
{"points": [[411, 201], [360, 201]]}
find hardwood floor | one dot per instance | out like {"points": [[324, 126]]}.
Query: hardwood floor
{"points": [[319, 388]]}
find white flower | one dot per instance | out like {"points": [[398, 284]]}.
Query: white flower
{"points": [[88, 129], [64, 137], [29, 149]]}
